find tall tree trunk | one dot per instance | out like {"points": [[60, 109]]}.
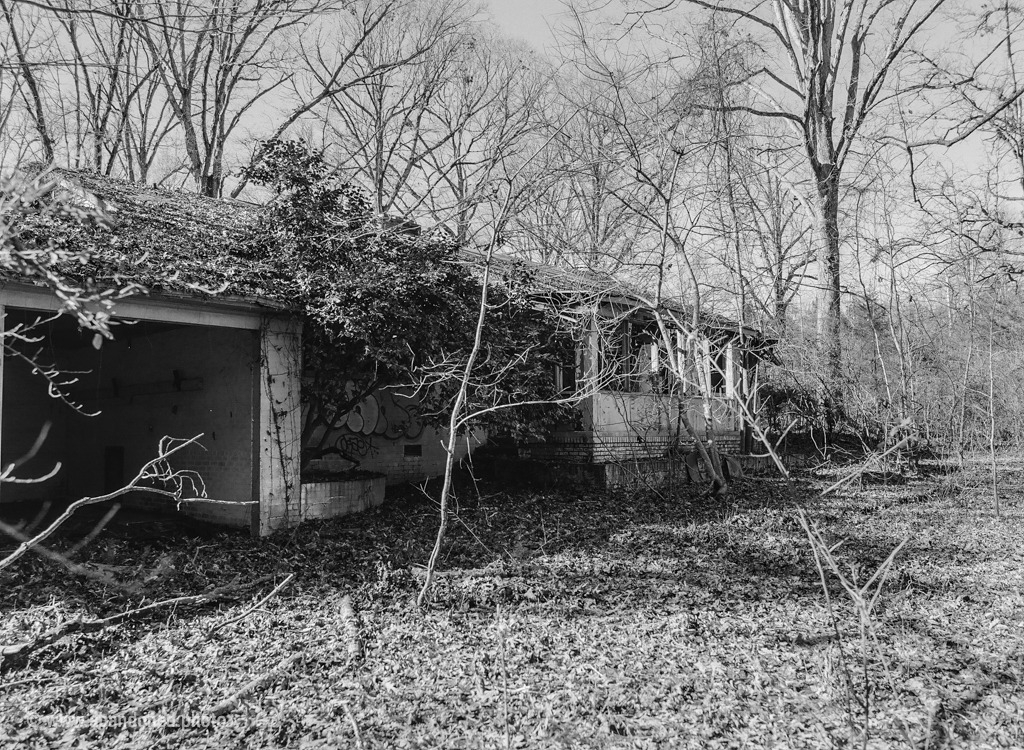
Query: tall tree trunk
{"points": [[36, 104], [829, 311]]}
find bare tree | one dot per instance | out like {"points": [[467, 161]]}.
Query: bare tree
{"points": [[431, 101], [829, 69], [26, 81], [217, 61], [573, 216], [777, 236], [146, 120]]}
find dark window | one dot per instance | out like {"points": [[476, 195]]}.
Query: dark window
{"points": [[113, 468], [619, 358], [720, 364], [565, 378], [412, 451]]}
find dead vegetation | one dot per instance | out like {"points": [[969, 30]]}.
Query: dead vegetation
{"points": [[559, 620]]}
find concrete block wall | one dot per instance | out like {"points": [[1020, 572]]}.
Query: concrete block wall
{"points": [[629, 446], [660, 471], [403, 459], [222, 411], [570, 447], [331, 499], [644, 473]]}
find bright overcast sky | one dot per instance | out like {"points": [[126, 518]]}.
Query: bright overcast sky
{"points": [[526, 19]]}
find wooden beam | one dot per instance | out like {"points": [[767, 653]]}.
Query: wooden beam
{"points": [[185, 310]]}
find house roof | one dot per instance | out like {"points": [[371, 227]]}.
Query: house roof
{"points": [[557, 281], [585, 286], [178, 243], [169, 241]]}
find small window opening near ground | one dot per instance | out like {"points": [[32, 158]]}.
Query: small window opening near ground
{"points": [[413, 451]]}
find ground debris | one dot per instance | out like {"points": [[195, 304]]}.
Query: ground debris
{"points": [[560, 620]]}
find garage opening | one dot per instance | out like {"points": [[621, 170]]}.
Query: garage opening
{"points": [[155, 379]]}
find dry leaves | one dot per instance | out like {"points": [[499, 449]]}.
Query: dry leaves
{"points": [[563, 620]]}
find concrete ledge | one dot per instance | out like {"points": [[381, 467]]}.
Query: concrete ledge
{"points": [[330, 499]]}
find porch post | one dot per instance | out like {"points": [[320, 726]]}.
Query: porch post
{"points": [[280, 424], [590, 366]]}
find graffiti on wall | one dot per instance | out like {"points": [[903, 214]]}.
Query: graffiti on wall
{"points": [[386, 413], [353, 447]]}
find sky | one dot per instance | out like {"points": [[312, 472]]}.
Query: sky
{"points": [[526, 19]]}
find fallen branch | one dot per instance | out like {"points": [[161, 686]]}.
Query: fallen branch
{"points": [[145, 708], [229, 704], [350, 625], [28, 681], [874, 460], [355, 727], [91, 626], [253, 608]]}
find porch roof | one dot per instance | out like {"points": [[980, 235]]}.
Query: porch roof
{"points": [[584, 286]]}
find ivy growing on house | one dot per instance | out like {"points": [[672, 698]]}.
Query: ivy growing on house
{"points": [[384, 302]]}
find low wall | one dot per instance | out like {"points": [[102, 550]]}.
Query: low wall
{"points": [[331, 499], [604, 446], [626, 473], [668, 470]]}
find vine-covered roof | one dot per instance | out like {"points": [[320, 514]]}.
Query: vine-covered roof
{"points": [[164, 240], [178, 242]]}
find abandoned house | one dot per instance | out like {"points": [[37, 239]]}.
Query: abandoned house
{"points": [[217, 352], [630, 407]]}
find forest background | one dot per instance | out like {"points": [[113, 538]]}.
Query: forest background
{"points": [[847, 177]]}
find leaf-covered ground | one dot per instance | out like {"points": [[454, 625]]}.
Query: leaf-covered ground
{"points": [[562, 620]]}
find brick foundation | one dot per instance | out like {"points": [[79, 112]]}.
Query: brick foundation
{"points": [[605, 447]]}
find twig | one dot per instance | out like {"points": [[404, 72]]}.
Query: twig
{"points": [[816, 543], [504, 679], [861, 469], [864, 601], [89, 626], [253, 608], [26, 681], [147, 706], [355, 727], [992, 422], [457, 418], [229, 704]]}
